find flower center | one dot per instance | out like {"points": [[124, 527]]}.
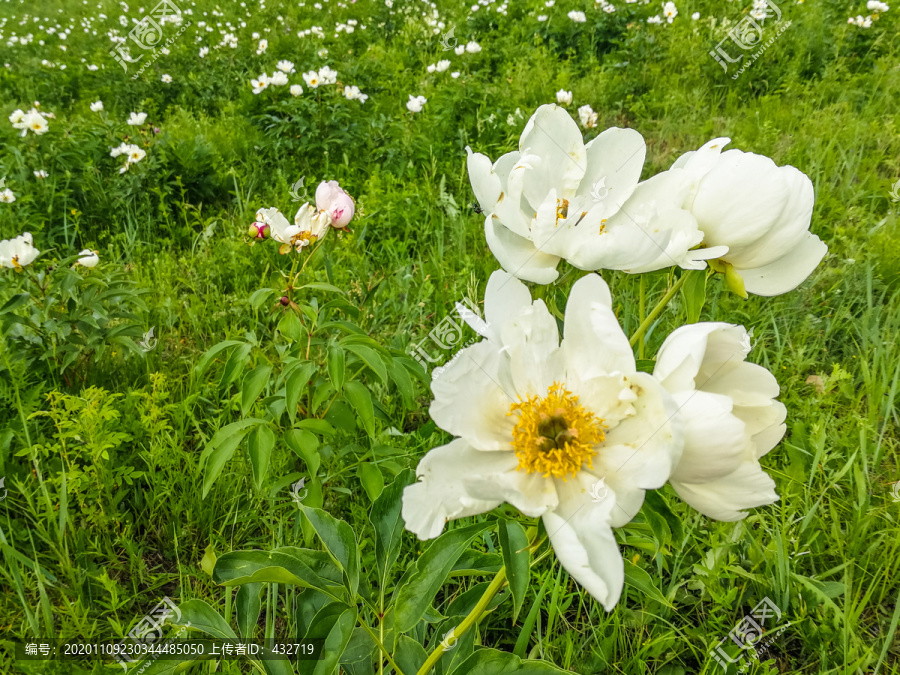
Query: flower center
{"points": [[555, 435]]}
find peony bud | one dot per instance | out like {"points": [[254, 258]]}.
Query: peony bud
{"points": [[259, 231], [331, 198], [285, 301]]}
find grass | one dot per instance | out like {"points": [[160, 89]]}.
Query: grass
{"points": [[104, 514]]}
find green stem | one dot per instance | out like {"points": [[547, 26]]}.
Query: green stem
{"points": [[473, 618], [642, 311], [673, 289], [383, 649]]}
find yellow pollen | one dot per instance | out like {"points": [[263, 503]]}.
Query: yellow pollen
{"points": [[554, 435]]}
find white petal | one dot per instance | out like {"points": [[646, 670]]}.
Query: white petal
{"points": [[518, 255], [469, 401], [725, 499], [594, 343], [684, 353], [616, 156], [505, 297], [440, 495], [715, 440], [531, 341], [584, 542], [485, 184], [788, 272], [554, 137]]}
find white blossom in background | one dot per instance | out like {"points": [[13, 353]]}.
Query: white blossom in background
{"points": [[166, 78], [312, 79], [285, 66], [136, 119], [7, 196], [262, 46], [41, 174], [260, 84], [19, 252], [278, 79], [416, 103], [473, 47], [587, 116], [564, 97], [88, 258], [296, 90], [670, 11], [576, 16], [97, 106], [327, 75]]}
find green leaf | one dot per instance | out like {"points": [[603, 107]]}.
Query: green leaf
{"points": [[260, 296], [252, 386], [259, 448], [371, 479], [235, 365], [639, 579], [284, 565], [335, 623], [321, 286], [339, 541], [493, 662], [336, 370], [517, 558], [317, 425], [427, 574], [295, 385], [409, 655], [403, 381], [248, 604], [208, 562], [14, 302], [221, 448], [211, 353], [368, 356], [202, 617], [305, 445], [387, 523], [361, 400], [290, 327], [694, 293], [228, 431]]}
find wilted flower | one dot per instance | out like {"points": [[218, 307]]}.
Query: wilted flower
{"points": [[88, 258], [539, 421], [730, 416], [335, 201], [18, 253], [761, 212]]}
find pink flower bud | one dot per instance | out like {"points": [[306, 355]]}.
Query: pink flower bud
{"points": [[285, 301], [335, 201], [259, 231]]}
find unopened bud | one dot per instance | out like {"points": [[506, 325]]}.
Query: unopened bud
{"points": [[259, 231]]}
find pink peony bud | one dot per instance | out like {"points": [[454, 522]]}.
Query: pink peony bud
{"points": [[335, 201], [285, 301], [259, 231]]}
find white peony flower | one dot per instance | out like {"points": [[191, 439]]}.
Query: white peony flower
{"points": [[136, 119], [285, 66], [442, 65], [18, 253], [670, 11], [327, 75], [539, 422], [761, 212], [587, 116], [278, 79], [41, 174], [166, 78], [7, 196], [96, 106], [473, 47], [577, 17], [259, 85], [730, 417], [296, 90], [416, 103], [312, 79], [564, 97], [88, 258]]}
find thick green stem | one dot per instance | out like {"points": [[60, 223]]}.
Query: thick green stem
{"points": [[473, 618], [657, 310], [383, 649], [642, 311]]}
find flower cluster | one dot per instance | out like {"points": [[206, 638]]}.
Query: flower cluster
{"points": [[558, 199], [32, 121], [566, 428], [334, 209], [133, 154]]}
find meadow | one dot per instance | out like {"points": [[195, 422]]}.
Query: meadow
{"points": [[201, 418]]}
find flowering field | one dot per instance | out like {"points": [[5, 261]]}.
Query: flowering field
{"points": [[394, 337]]}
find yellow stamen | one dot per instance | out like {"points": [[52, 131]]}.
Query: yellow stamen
{"points": [[555, 436]]}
